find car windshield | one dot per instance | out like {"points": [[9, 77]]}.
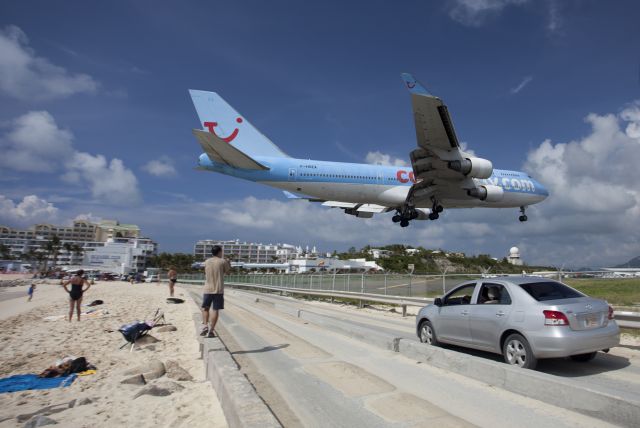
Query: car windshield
{"points": [[542, 291]]}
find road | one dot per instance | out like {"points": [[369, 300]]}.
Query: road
{"points": [[310, 376]]}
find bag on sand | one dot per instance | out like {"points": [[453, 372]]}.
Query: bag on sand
{"points": [[134, 331]]}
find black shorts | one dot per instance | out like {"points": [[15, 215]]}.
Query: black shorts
{"points": [[213, 301]]}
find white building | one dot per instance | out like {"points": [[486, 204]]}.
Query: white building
{"points": [[329, 265], [121, 255], [251, 252], [514, 257], [377, 253]]}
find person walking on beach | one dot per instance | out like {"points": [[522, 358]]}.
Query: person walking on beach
{"points": [[77, 290], [173, 278], [215, 268], [32, 288]]}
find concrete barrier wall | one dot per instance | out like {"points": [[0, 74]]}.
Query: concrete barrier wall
{"points": [[242, 406]]}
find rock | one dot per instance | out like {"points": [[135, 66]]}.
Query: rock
{"points": [[135, 380], [175, 372], [165, 328], [152, 370], [159, 389], [84, 401], [39, 421], [72, 403]]}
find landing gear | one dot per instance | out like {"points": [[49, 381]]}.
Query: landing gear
{"points": [[408, 212], [404, 223], [396, 218], [434, 216], [523, 216], [436, 209]]}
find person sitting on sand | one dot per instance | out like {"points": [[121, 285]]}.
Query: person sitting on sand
{"points": [[32, 288], [75, 295]]}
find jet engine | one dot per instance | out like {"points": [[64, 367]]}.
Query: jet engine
{"points": [[487, 193], [473, 167]]}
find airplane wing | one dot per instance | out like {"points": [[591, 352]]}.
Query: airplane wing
{"points": [[442, 169], [359, 210]]}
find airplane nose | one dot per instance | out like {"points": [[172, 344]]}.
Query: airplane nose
{"points": [[543, 191]]}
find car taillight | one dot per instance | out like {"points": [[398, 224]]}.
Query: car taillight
{"points": [[611, 315], [555, 318]]}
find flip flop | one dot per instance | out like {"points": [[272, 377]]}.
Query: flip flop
{"points": [[211, 334], [204, 331]]}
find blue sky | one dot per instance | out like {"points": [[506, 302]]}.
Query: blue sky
{"points": [[80, 80]]}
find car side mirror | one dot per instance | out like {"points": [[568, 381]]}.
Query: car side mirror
{"points": [[437, 301]]}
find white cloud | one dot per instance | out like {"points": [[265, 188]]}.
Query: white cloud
{"points": [[384, 159], [31, 209], [25, 76], [108, 181], [87, 217], [554, 24], [161, 167], [474, 13], [593, 212], [521, 85], [35, 143]]}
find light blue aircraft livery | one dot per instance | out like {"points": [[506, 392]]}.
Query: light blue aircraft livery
{"points": [[441, 174]]}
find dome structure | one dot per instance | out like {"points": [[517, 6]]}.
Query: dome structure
{"points": [[514, 252]]}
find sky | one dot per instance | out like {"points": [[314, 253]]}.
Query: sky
{"points": [[95, 116]]}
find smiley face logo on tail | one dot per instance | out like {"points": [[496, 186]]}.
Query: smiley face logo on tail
{"points": [[211, 125]]}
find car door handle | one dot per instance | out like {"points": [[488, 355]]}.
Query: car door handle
{"points": [[499, 314]]}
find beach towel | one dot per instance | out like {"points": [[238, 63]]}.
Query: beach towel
{"points": [[32, 381]]}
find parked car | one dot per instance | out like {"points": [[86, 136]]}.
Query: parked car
{"points": [[152, 278], [522, 318]]}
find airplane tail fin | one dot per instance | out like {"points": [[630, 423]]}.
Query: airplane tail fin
{"points": [[219, 118], [413, 85]]}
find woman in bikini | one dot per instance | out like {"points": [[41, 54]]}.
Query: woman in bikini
{"points": [[75, 294], [173, 278]]}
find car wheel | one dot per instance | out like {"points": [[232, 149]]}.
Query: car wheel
{"points": [[583, 358], [517, 352], [428, 334]]}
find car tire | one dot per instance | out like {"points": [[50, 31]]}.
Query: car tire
{"points": [[428, 333], [584, 358], [517, 352]]}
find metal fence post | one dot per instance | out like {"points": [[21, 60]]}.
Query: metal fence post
{"points": [[348, 280], [294, 279], [385, 284], [362, 284], [410, 279], [444, 289], [333, 282]]}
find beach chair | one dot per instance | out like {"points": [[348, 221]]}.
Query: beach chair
{"points": [[132, 332]]}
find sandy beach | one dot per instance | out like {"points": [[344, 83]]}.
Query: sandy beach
{"points": [[33, 335]]}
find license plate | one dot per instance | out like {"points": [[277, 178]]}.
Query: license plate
{"points": [[591, 321]]}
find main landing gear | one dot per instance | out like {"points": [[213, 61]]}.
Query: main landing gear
{"points": [[408, 213], [523, 216]]}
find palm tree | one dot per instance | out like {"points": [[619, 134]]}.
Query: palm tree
{"points": [[5, 252], [77, 250], [68, 247], [52, 248]]}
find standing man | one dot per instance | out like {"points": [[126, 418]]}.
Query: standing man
{"points": [[215, 268], [173, 278]]}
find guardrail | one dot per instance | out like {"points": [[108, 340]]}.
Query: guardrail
{"points": [[624, 319]]}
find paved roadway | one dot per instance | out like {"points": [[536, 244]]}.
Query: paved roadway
{"points": [[313, 377]]}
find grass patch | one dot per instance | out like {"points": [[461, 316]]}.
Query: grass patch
{"points": [[630, 331], [617, 291]]}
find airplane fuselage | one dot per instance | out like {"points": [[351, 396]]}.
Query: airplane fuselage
{"points": [[373, 184]]}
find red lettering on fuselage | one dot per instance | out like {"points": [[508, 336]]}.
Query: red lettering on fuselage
{"points": [[404, 176]]}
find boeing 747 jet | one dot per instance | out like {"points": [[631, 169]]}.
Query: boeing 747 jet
{"points": [[442, 175]]}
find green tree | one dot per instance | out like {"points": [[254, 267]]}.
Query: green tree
{"points": [[52, 248], [5, 252]]}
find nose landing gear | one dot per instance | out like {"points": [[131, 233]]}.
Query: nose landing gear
{"points": [[523, 216]]}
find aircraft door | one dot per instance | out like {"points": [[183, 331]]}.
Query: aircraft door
{"points": [[292, 174]]}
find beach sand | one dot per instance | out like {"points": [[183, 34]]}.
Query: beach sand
{"points": [[30, 344]]}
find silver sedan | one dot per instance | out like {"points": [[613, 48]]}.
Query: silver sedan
{"points": [[522, 318]]}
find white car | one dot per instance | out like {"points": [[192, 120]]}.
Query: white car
{"points": [[152, 278]]}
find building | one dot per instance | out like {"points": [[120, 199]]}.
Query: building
{"points": [[121, 255], [76, 241], [377, 253], [251, 252], [514, 257]]}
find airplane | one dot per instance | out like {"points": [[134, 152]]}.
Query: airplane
{"points": [[442, 175]]}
